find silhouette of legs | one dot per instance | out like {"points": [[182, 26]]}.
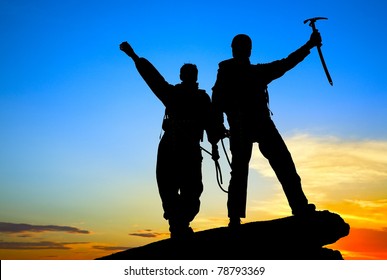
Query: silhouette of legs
{"points": [[179, 180], [241, 149], [274, 149]]}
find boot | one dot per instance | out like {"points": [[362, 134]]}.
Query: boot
{"points": [[305, 211]]}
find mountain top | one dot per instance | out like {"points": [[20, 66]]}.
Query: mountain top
{"points": [[289, 238]]}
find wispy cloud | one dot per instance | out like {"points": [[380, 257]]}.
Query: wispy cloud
{"points": [[110, 248], [345, 175], [326, 161], [38, 245], [148, 233], [365, 213], [23, 228], [366, 204]]}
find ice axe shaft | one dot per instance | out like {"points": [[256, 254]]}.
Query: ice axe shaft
{"points": [[312, 24]]}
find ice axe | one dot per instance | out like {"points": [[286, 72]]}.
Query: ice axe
{"points": [[312, 24]]}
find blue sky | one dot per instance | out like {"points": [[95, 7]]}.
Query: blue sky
{"points": [[80, 129]]}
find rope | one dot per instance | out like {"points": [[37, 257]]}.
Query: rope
{"points": [[217, 167], [219, 176], [225, 152]]}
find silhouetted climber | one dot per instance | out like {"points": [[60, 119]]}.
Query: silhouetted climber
{"points": [[179, 158], [240, 91]]}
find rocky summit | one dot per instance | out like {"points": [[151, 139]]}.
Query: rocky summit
{"points": [[289, 238]]}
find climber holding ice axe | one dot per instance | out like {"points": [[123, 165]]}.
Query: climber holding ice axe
{"points": [[240, 92], [312, 24]]}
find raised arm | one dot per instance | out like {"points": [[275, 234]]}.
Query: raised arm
{"points": [[126, 48], [148, 72], [276, 69]]}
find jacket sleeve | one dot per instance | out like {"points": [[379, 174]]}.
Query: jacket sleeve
{"points": [[209, 121], [217, 108], [218, 95], [153, 78], [278, 68]]}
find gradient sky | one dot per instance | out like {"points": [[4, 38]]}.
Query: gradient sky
{"points": [[80, 128]]}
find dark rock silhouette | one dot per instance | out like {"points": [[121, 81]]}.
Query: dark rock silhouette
{"points": [[289, 238]]}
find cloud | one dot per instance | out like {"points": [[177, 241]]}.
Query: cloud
{"points": [[367, 213], [22, 228], [365, 204], [111, 248], [25, 235], [148, 233], [330, 163], [347, 176], [37, 245]]}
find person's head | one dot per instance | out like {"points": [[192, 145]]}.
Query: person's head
{"points": [[241, 46], [189, 73]]}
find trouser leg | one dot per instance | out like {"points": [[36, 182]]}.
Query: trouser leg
{"points": [[180, 185], [167, 181], [241, 150], [274, 149], [191, 187]]}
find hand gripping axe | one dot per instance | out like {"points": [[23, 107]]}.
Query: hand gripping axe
{"points": [[312, 24]]}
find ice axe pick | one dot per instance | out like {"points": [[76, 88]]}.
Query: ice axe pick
{"points": [[312, 24]]}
